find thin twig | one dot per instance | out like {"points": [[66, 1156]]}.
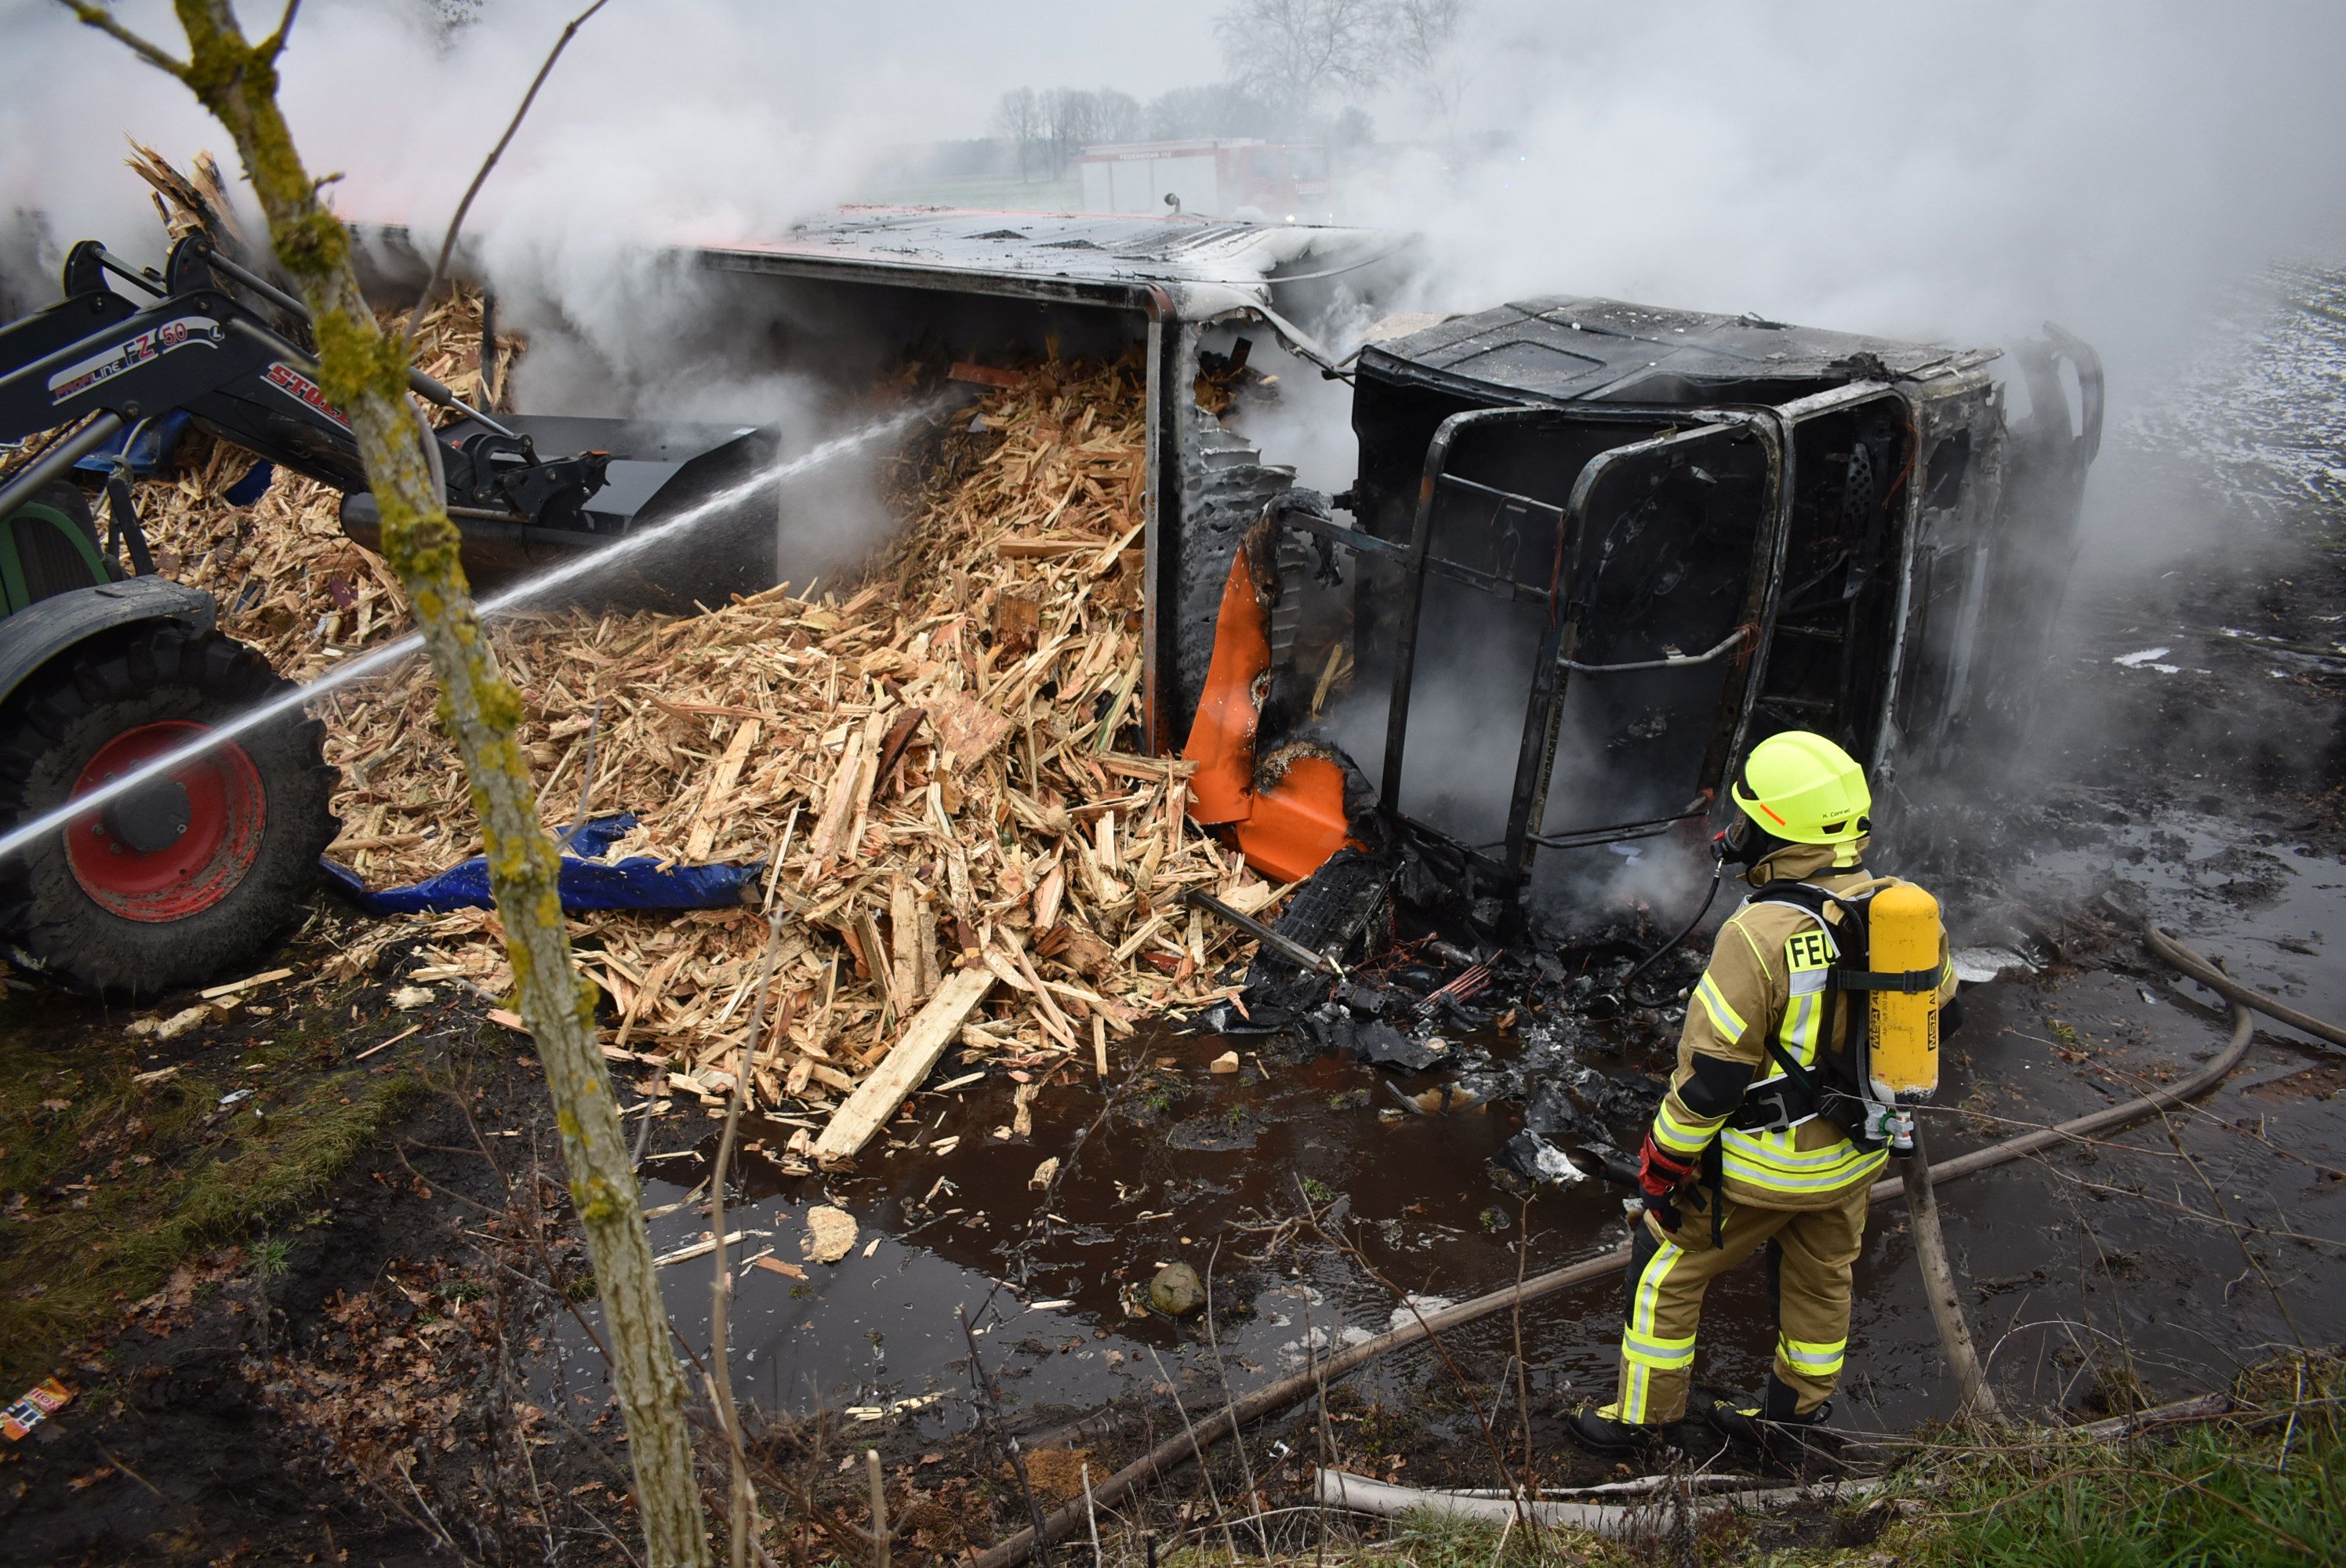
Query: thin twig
{"points": [[878, 1478], [1466, 1385], [456, 224], [1221, 1370], [274, 45], [743, 1503], [2238, 1235], [439, 1530], [544, 1258], [1212, 1496], [97, 17], [986, 1411], [585, 774], [1091, 1516], [1523, 1372], [846, 1538], [108, 1455]]}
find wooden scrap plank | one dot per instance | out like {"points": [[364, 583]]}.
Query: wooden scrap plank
{"points": [[249, 983], [720, 790], [838, 801], [904, 934], [1054, 1020], [985, 375], [1043, 549], [916, 1052], [969, 729]]}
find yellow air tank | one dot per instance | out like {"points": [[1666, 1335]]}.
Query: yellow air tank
{"points": [[1903, 936]]}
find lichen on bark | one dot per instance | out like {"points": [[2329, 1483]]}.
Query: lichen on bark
{"points": [[364, 371]]}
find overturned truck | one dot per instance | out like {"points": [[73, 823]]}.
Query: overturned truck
{"points": [[1588, 551], [1592, 551]]}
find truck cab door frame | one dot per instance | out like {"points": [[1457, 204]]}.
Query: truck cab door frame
{"points": [[1554, 588]]}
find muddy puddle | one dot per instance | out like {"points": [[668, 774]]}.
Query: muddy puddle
{"points": [[2160, 1259]]}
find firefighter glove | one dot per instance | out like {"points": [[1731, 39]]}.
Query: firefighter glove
{"points": [[1660, 1172]]}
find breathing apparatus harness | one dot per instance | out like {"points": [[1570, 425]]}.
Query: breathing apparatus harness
{"points": [[1841, 1084]]}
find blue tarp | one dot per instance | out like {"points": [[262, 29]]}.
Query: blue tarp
{"points": [[152, 450], [157, 437], [587, 883]]}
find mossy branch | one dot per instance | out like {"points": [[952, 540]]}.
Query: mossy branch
{"points": [[99, 18], [364, 372]]}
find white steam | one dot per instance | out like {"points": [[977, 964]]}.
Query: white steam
{"points": [[1946, 170], [1956, 170]]}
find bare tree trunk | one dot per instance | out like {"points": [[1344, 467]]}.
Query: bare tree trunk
{"points": [[366, 375]]}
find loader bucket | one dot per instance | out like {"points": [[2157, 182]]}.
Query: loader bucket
{"points": [[660, 473]]}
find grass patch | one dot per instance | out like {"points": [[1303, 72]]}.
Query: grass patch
{"points": [[2263, 1486], [106, 1184], [1424, 1538]]}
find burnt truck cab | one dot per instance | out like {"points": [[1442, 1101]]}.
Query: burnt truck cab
{"points": [[1596, 550]]}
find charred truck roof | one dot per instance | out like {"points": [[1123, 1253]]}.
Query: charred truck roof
{"points": [[1604, 351], [1596, 550]]}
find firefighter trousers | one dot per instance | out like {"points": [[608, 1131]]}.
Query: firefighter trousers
{"points": [[1809, 1255]]}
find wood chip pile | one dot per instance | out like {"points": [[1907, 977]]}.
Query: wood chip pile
{"points": [[931, 760]]}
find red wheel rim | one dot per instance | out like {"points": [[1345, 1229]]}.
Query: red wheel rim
{"points": [[227, 810]]}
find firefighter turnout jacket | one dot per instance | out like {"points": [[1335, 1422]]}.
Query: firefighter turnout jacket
{"points": [[1769, 978]]}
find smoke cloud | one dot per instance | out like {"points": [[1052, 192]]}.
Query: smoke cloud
{"points": [[1946, 171], [1916, 170]]}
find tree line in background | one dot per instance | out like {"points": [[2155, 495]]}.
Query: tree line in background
{"points": [[1290, 63]]}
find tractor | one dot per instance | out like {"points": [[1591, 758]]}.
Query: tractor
{"points": [[105, 666]]}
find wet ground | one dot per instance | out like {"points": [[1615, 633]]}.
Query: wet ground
{"points": [[2203, 784], [2165, 1256]]}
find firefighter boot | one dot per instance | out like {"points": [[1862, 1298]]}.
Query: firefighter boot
{"points": [[1775, 1425], [1600, 1428]]}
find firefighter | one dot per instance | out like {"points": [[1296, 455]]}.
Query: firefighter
{"points": [[1766, 1137]]}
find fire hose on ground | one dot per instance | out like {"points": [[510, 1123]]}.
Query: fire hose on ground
{"points": [[1274, 1397]]}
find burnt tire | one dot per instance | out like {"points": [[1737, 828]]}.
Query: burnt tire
{"points": [[125, 904]]}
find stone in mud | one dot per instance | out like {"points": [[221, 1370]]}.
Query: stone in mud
{"points": [[830, 1234], [1176, 1292]]}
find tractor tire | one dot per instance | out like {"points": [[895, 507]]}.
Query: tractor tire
{"points": [[176, 883], [50, 564]]}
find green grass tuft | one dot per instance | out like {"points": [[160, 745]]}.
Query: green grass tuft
{"points": [[110, 1184], [2260, 1487]]}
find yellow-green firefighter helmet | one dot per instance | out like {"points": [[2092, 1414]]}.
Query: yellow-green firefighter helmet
{"points": [[1804, 790]]}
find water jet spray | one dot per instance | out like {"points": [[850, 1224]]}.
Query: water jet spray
{"points": [[390, 654]]}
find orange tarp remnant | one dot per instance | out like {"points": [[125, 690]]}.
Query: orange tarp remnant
{"points": [[1298, 822], [1221, 737], [1288, 828]]}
